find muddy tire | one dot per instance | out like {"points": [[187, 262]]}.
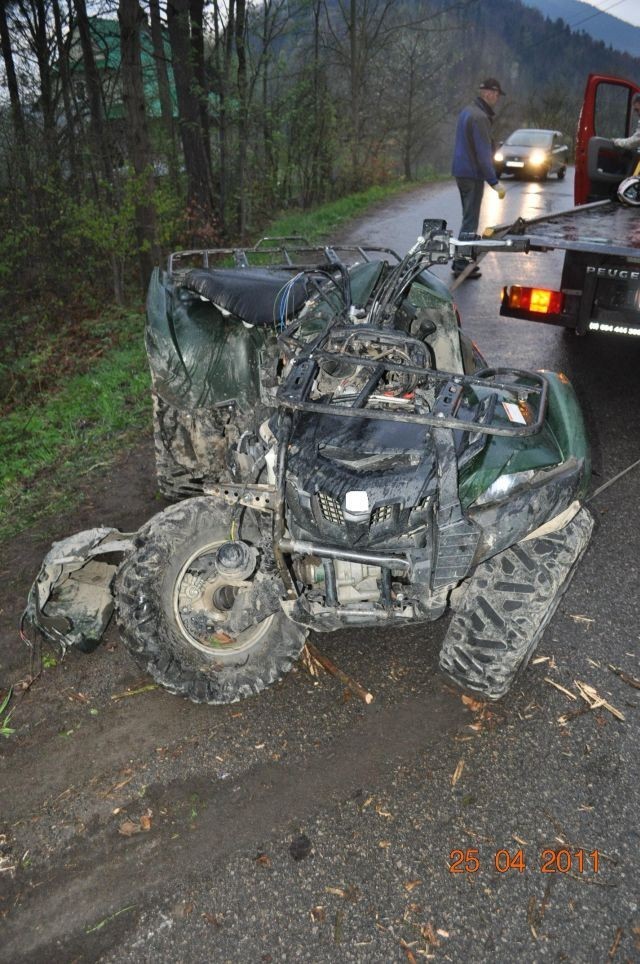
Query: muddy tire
{"points": [[506, 607], [210, 636]]}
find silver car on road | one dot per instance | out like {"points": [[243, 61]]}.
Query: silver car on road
{"points": [[533, 154]]}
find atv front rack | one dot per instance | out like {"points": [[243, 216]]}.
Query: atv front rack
{"points": [[494, 401]]}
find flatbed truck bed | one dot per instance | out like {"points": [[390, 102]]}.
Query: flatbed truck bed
{"points": [[600, 285]]}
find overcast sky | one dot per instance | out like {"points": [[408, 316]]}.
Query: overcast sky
{"points": [[628, 10]]}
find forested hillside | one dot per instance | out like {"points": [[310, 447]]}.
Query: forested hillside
{"points": [[600, 24], [129, 128]]}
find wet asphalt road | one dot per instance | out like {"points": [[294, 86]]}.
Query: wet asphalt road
{"points": [[303, 826]]}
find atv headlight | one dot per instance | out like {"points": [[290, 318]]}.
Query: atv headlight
{"points": [[504, 485]]}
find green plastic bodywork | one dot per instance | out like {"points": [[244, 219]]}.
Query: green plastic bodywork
{"points": [[201, 358], [567, 423], [562, 437]]}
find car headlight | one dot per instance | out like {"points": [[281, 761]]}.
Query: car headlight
{"points": [[499, 157], [537, 157]]}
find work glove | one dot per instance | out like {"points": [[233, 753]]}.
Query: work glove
{"points": [[500, 191]]}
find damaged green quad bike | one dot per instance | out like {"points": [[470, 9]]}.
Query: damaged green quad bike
{"points": [[342, 456]]}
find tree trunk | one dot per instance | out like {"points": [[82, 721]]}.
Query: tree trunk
{"points": [[408, 135], [354, 92], [267, 151], [243, 124], [131, 19], [41, 50], [17, 116], [164, 89], [199, 190], [100, 145], [199, 70], [65, 85], [223, 46]]}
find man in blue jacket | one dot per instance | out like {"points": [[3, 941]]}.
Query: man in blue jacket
{"points": [[473, 162]]}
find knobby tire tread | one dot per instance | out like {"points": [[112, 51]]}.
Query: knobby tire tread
{"points": [[509, 601]]}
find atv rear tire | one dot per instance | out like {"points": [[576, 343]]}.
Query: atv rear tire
{"points": [[506, 606], [174, 607]]}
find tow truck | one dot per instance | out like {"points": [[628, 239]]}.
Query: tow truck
{"points": [[599, 288]]}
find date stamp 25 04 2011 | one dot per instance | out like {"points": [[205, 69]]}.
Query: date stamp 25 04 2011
{"points": [[563, 861]]}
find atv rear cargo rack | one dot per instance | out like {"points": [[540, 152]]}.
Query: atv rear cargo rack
{"points": [[291, 253]]}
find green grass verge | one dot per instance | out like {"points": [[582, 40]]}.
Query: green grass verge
{"points": [[51, 445], [323, 221]]}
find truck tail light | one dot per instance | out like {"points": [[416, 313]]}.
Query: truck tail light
{"points": [[541, 300]]}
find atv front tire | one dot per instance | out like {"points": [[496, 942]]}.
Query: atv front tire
{"points": [[176, 609], [506, 607]]}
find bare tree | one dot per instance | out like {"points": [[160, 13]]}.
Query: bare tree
{"points": [[131, 19], [17, 115], [100, 140], [221, 69], [199, 182], [243, 119], [164, 88], [201, 88], [62, 51], [36, 12]]}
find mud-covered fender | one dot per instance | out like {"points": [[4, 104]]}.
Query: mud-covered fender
{"points": [[71, 600]]}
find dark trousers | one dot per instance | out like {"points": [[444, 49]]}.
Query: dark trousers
{"points": [[471, 191]]}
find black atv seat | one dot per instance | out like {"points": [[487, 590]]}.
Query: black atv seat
{"points": [[253, 294]]}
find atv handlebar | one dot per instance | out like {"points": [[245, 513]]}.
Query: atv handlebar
{"points": [[440, 247]]}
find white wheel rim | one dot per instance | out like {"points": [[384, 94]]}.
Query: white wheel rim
{"points": [[198, 598]]}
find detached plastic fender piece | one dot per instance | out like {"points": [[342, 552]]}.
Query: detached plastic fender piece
{"points": [[71, 600]]}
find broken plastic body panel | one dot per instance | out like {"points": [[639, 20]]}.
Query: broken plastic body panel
{"points": [[71, 601]]}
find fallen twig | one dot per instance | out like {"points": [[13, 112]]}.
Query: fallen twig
{"points": [[591, 696], [98, 465], [532, 916], [101, 924], [457, 773], [625, 677], [141, 689], [564, 719], [615, 945], [562, 689], [578, 618], [331, 668]]}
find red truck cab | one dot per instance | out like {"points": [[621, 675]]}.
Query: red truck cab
{"points": [[606, 113]]}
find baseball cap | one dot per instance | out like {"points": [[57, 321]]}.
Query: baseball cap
{"points": [[490, 83]]}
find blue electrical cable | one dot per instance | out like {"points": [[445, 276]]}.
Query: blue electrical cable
{"points": [[285, 294]]}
